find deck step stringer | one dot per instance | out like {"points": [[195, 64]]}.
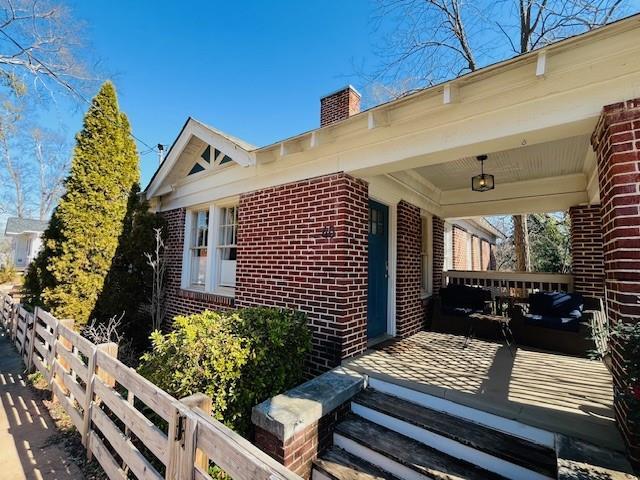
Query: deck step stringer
{"points": [[512, 427]]}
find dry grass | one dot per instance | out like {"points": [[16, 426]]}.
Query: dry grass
{"points": [[68, 438]]}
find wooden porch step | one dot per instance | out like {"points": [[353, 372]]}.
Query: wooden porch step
{"points": [[511, 449], [402, 453], [580, 460], [337, 464]]}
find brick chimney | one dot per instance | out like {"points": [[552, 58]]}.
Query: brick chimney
{"points": [[339, 105]]}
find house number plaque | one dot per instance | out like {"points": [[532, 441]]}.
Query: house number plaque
{"points": [[328, 231]]}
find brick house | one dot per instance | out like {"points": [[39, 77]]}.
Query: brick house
{"points": [[470, 244], [350, 222]]}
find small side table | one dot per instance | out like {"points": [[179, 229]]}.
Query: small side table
{"points": [[501, 322]]}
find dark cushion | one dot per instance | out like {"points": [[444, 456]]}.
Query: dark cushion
{"points": [[464, 297], [556, 304], [566, 324]]}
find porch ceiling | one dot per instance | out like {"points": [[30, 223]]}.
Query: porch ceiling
{"points": [[552, 159]]}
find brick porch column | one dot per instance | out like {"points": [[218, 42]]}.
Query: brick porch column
{"points": [[304, 246], [616, 141], [409, 305], [587, 256]]}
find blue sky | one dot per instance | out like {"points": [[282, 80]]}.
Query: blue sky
{"points": [[254, 69]]}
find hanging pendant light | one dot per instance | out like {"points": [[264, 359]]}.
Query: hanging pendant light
{"points": [[484, 181]]}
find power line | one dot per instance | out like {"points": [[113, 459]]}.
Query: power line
{"points": [[63, 82]]}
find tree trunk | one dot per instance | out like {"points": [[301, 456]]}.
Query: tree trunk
{"points": [[521, 243]]}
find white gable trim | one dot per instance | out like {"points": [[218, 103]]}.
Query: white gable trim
{"points": [[193, 128]]}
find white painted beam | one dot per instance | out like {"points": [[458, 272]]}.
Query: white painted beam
{"points": [[534, 204], [450, 94], [541, 64], [549, 194]]}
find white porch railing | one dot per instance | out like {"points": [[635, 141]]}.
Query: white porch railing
{"points": [[506, 283]]}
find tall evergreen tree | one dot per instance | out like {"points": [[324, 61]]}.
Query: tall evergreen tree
{"points": [[85, 229]]}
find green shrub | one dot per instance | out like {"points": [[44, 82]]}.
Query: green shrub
{"points": [[7, 274], [239, 358]]}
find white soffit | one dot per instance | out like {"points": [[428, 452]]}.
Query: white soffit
{"points": [[552, 159]]}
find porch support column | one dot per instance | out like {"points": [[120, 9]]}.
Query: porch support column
{"points": [[587, 257], [409, 305], [616, 141]]}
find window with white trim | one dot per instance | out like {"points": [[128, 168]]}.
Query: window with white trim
{"points": [[209, 262], [227, 248], [198, 249]]}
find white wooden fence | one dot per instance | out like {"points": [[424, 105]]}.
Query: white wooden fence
{"points": [[127, 423]]}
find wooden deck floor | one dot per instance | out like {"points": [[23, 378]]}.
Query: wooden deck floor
{"points": [[565, 394]]}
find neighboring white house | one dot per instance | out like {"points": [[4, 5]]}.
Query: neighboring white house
{"points": [[25, 234]]}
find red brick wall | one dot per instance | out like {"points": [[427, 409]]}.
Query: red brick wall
{"points": [[459, 238], [485, 250], [338, 106], [298, 452], [178, 301], [475, 253], [409, 306], [438, 253], [587, 263], [285, 261], [616, 141]]}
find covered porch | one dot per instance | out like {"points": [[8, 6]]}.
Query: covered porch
{"points": [[558, 133], [553, 392]]}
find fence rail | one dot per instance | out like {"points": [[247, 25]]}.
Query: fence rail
{"points": [[127, 423], [506, 283]]}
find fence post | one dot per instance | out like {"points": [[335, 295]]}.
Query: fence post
{"points": [[192, 454], [32, 339], [68, 322]]}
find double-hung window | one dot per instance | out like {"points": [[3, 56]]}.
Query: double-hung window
{"points": [[209, 262], [227, 239], [198, 251]]}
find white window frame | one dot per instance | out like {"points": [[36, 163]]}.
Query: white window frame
{"points": [[426, 256], [186, 254], [448, 246], [217, 257], [212, 273]]}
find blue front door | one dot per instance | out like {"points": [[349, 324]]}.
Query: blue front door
{"points": [[378, 269]]}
